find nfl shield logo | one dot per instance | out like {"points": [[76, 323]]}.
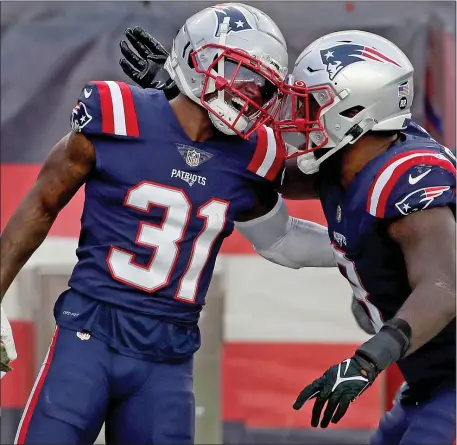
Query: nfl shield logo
{"points": [[193, 158], [338, 213]]}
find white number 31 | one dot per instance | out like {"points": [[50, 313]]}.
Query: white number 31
{"points": [[165, 239]]}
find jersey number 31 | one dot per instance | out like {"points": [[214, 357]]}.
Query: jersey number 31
{"points": [[165, 240]]}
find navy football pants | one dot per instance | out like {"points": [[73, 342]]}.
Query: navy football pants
{"points": [[428, 423], [84, 382]]}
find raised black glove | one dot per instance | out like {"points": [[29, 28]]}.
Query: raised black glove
{"points": [[339, 386], [147, 68]]}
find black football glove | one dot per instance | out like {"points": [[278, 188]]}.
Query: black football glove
{"points": [[147, 68], [339, 386]]}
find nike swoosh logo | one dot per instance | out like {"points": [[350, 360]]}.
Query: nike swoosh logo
{"points": [[87, 93], [415, 180]]}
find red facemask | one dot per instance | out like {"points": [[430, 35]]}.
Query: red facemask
{"points": [[250, 87], [301, 113]]}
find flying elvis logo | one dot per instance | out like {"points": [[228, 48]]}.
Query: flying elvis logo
{"points": [[340, 56], [238, 21], [420, 199]]}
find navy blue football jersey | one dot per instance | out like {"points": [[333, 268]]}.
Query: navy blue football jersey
{"points": [[157, 209], [414, 174]]}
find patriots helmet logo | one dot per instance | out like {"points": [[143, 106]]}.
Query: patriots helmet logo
{"points": [[238, 21], [340, 56], [420, 199]]}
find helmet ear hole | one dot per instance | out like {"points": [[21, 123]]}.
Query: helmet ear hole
{"points": [[187, 48], [352, 112]]}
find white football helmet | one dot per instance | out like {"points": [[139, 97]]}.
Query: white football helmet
{"points": [[231, 59], [344, 85]]}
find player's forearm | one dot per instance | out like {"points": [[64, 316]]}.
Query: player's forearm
{"points": [[429, 309], [427, 240], [288, 241], [305, 244], [426, 312], [23, 234]]}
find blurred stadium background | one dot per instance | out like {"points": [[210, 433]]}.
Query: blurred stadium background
{"points": [[263, 322]]}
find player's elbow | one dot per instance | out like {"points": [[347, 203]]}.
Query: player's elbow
{"points": [[277, 257], [287, 253]]}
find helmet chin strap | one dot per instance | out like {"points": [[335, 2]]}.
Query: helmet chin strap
{"points": [[309, 164]]}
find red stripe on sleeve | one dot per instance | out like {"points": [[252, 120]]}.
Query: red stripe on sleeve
{"points": [[260, 150], [131, 120], [278, 163], [106, 107], [383, 168], [400, 170]]}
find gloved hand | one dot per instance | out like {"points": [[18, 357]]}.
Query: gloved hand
{"points": [[147, 68], [339, 386], [7, 346]]}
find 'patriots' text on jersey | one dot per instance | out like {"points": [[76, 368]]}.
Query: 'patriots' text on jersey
{"points": [[157, 209]]}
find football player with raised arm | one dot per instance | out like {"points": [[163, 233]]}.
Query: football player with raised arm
{"points": [[164, 182]]}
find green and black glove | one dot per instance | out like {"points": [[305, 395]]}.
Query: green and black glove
{"points": [[339, 386]]}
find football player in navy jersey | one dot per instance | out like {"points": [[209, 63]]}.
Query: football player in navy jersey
{"points": [[388, 193], [164, 183]]}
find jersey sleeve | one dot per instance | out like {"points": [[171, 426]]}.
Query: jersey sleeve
{"points": [[412, 181], [105, 108], [267, 162]]}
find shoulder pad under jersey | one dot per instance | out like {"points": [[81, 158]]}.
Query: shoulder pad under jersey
{"points": [[106, 108], [411, 181]]}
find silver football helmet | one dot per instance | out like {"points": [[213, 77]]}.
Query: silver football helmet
{"points": [[344, 85], [231, 59]]}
